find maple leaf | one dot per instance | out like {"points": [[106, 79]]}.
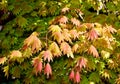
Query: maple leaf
{"points": [[75, 48], [3, 60], [93, 50], [74, 34], [27, 53], [92, 34], [106, 73], [66, 9], [112, 64], [55, 50], [15, 54], [82, 62], [111, 29], [34, 42], [58, 36], [47, 55], [37, 63], [63, 20], [77, 77], [72, 74], [118, 80], [75, 21], [66, 49], [66, 35], [70, 54], [89, 25], [6, 71], [54, 28], [48, 70]]}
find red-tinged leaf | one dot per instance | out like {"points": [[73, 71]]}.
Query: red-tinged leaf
{"points": [[66, 35], [55, 50], [77, 77], [47, 55], [3, 60], [92, 34], [37, 63], [63, 20], [66, 9], [34, 42], [93, 50], [72, 75], [38, 67], [66, 49], [82, 62], [75, 21], [24, 47], [58, 37], [54, 28], [30, 39], [48, 70], [36, 46], [111, 29], [74, 34]]}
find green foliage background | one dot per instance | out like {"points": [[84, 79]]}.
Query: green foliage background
{"points": [[19, 18]]}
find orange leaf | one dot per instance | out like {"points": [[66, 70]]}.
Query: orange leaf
{"points": [[66, 49], [58, 37], [34, 42], [15, 54], [3, 60], [47, 55], [66, 35], [75, 21], [74, 34], [92, 34], [82, 62], [37, 63], [93, 50], [63, 19]]}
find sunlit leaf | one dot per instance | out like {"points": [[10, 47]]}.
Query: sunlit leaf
{"points": [[66, 49], [6, 71], [3, 60], [55, 50], [63, 19], [93, 50], [34, 42], [92, 34], [47, 55], [54, 28], [75, 21]]}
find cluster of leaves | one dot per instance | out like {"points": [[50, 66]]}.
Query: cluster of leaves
{"points": [[89, 47], [71, 48]]}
